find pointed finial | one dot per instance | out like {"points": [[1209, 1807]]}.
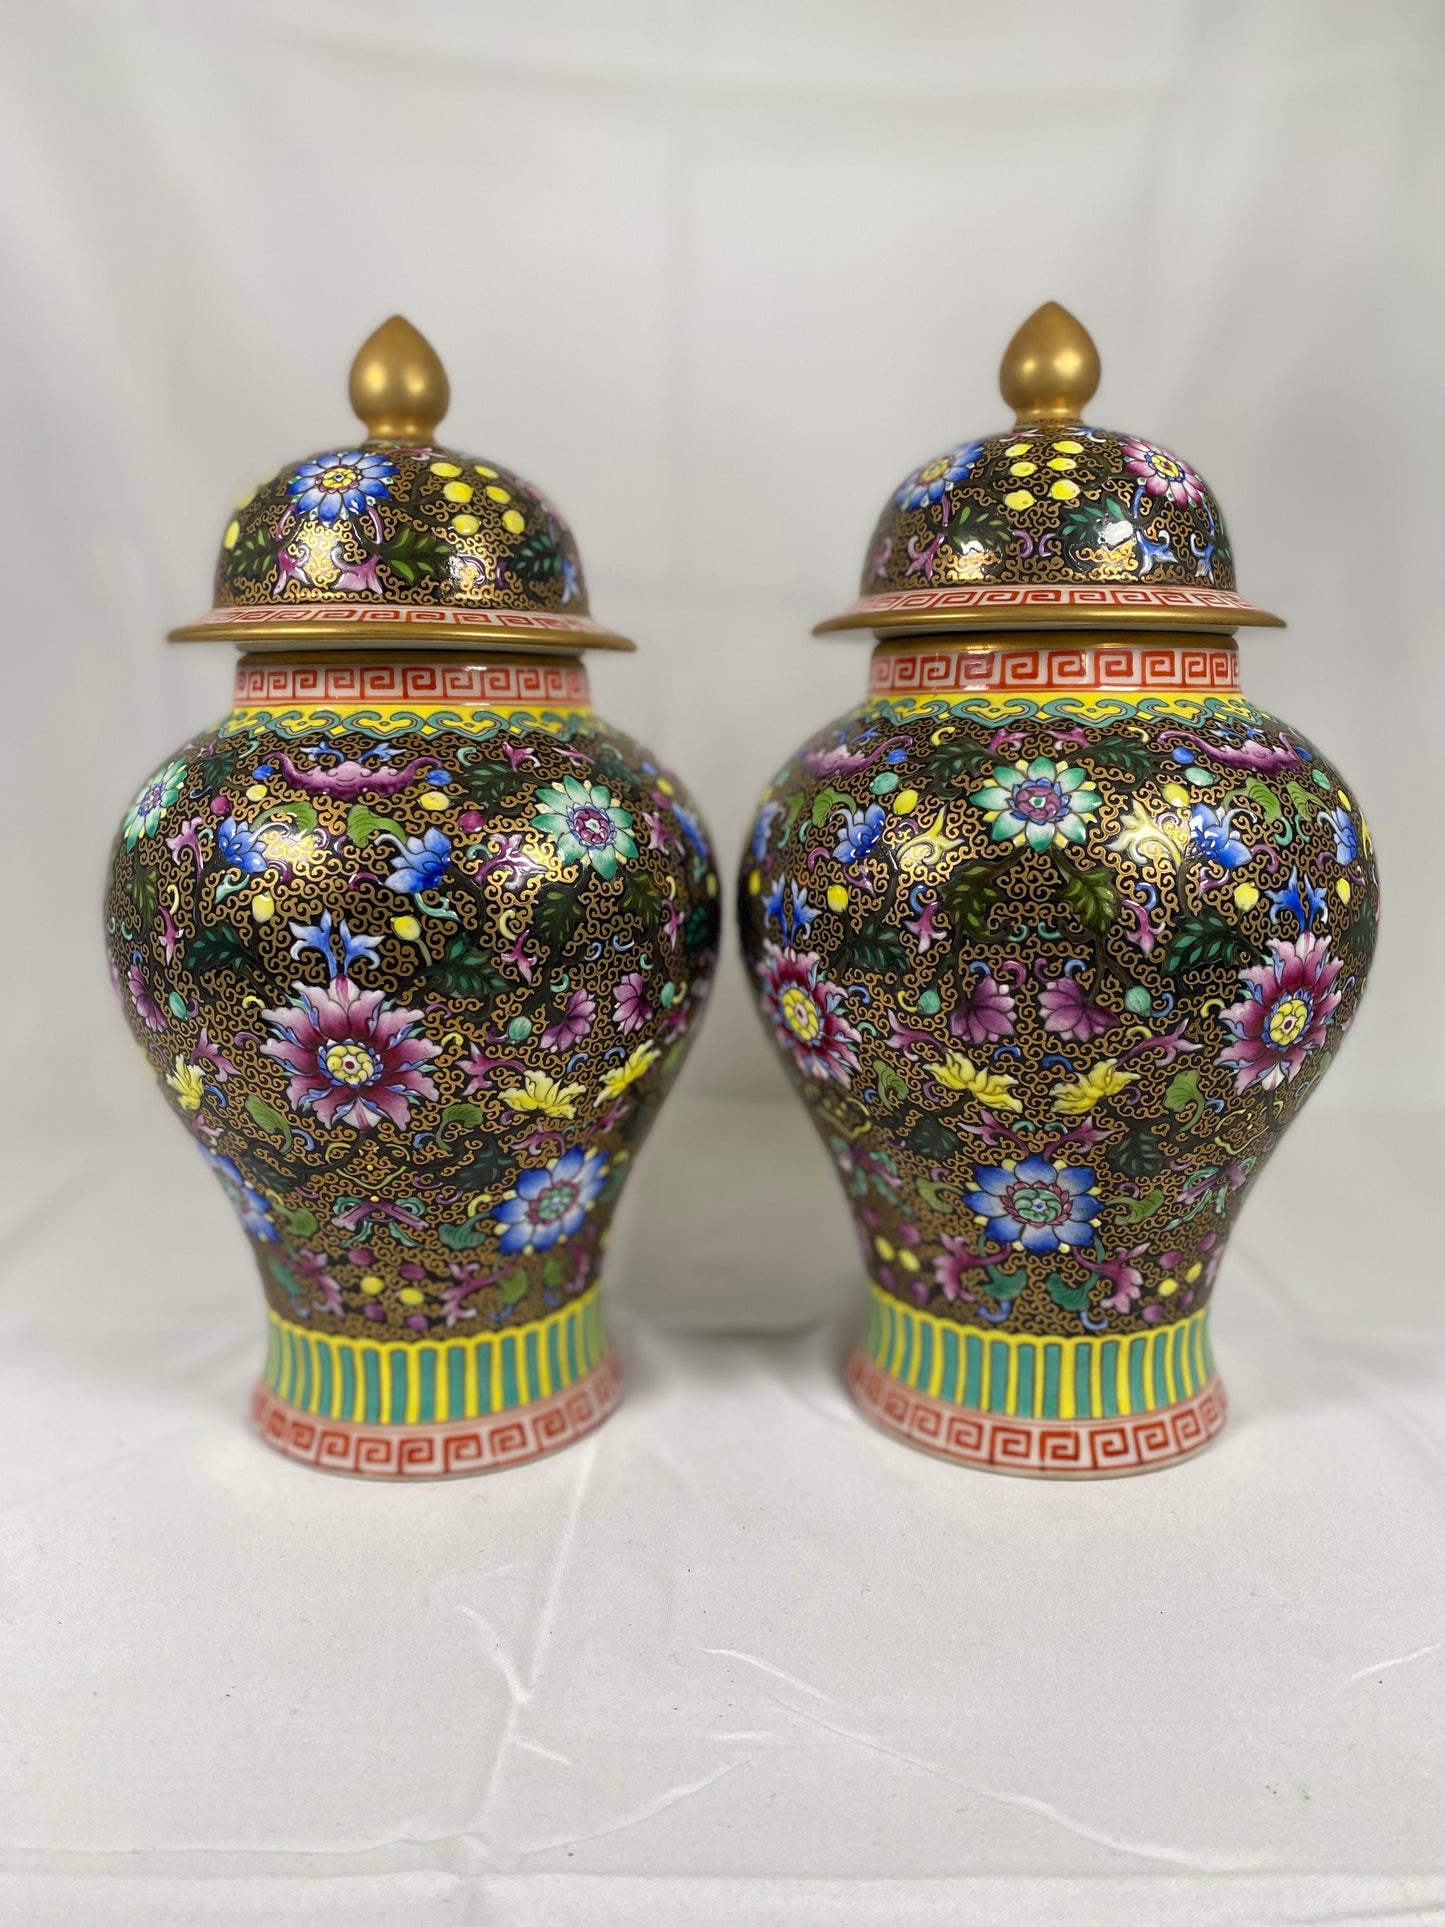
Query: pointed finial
{"points": [[1050, 368], [398, 385]]}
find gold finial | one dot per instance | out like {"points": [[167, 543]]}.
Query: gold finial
{"points": [[1050, 368], [398, 385]]}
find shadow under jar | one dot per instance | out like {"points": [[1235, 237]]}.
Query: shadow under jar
{"points": [[414, 942], [1054, 932]]}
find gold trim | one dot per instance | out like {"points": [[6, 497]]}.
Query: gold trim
{"points": [[936, 621], [393, 638]]}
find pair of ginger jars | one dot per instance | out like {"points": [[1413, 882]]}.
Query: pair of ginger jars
{"points": [[1053, 933]]}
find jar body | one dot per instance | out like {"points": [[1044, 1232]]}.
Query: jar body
{"points": [[415, 948], [1054, 936]]}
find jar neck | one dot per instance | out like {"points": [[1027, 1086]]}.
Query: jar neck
{"points": [[1057, 662], [410, 680]]}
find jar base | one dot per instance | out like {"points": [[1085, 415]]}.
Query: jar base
{"points": [[1038, 1448], [456, 1449]]}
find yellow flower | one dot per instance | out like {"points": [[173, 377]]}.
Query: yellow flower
{"points": [[1104, 1080], [188, 1081], [617, 1081], [1140, 837], [538, 1092], [957, 1073], [1018, 498]]}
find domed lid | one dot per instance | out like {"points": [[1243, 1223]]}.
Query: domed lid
{"points": [[395, 542], [1051, 525]]}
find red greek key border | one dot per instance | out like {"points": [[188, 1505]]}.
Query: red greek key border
{"points": [[265, 685], [397, 615], [440, 1451], [1041, 1448], [926, 669], [1038, 595]]}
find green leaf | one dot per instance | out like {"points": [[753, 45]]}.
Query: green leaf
{"points": [[934, 1141], [556, 913], [488, 784], [1183, 1091], [1137, 1210], [464, 1114], [1005, 1285], [555, 1270], [465, 1236], [1138, 1153], [254, 556], [827, 799], [362, 825], [301, 813], [936, 1196], [299, 1224], [218, 948], [489, 1163], [891, 1086], [1202, 940], [1092, 899], [514, 1287], [414, 552], [949, 762], [1264, 799], [269, 1119], [538, 558], [641, 900], [464, 972], [967, 897], [1068, 1297], [875, 948], [1301, 798], [1122, 756], [144, 891]]}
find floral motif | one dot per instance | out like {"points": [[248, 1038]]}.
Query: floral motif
{"points": [[635, 1066], [574, 1023], [1160, 472], [984, 1012], [958, 1073], [936, 478], [1033, 1203], [354, 1059], [351, 481], [551, 1201], [543, 1094], [860, 833], [586, 825], [420, 862], [1040, 803], [240, 847], [143, 818], [1212, 836], [188, 1081], [630, 1006], [805, 1011], [1284, 1014]]}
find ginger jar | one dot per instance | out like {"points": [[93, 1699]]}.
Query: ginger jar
{"points": [[414, 943], [1054, 933]]}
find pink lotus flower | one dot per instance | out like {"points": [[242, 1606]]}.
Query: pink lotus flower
{"points": [[1066, 1011], [574, 1023], [804, 1009], [985, 1013], [353, 1060], [950, 1267], [146, 1007], [630, 1008], [1284, 1014], [1160, 472]]}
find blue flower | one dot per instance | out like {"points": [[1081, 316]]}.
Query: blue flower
{"points": [[1347, 837], [936, 478], [691, 826], [351, 480], [420, 862], [550, 1201], [240, 846], [861, 830], [1033, 1203], [1300, 898], [251, 1206], [1212, 837], [763, 829]]}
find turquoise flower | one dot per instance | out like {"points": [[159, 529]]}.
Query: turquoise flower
{"points": [[586, 825], [1040, 803], [143, 818]]}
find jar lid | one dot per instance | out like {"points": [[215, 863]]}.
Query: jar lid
{"points": [[396, 542], [1052, 524]]}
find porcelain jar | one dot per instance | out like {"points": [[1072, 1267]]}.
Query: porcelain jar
{"points": [[1054, 933], [414, 943]]}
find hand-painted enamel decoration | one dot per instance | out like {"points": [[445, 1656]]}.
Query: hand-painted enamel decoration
{"points": [[1055, 933], [414, 943]]}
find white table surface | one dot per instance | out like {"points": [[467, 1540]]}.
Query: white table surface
{"points": [[737, 1657]]}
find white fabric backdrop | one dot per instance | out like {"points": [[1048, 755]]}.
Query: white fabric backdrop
{"points": [[715, 275]]}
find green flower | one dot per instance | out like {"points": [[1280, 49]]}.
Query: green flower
{"points": [[1040, 803], [143, 818], [586, 825]]}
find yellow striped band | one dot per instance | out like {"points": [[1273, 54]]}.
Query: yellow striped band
{"points": [[385, 1381], [1022, 1376]]}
